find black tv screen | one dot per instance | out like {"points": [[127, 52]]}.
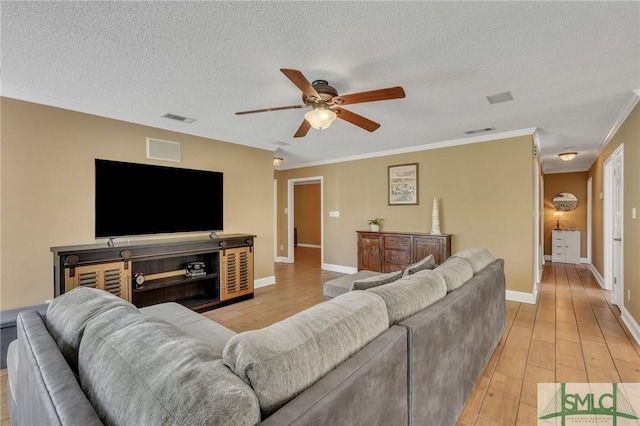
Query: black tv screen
{"points": [[139, 199]]}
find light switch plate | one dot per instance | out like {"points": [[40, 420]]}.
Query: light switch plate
{"points": [[633, 213]]}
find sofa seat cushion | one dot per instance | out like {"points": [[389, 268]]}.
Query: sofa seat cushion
{"points": [[195, 325], [411, 294], [69, 314], [137, 370], [456, 271], [478, 257], [427, 263], [375, 281], [282, 360], [338, 286]]}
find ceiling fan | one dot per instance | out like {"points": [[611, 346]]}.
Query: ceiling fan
{"points": [[326, 103]]}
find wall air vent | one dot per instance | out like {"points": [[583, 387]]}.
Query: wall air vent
{"points": [[178, 118], [486, 129], [500, 97]]}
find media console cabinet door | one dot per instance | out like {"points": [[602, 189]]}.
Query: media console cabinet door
{"points": [[111, 277], [236, 272]]}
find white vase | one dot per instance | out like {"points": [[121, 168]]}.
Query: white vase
{"points": [[375, 228], [435, 218]]}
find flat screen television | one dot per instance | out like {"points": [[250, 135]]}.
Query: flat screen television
{"points": [[139, 199]]}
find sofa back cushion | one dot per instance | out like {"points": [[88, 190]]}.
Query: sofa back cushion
{"points": [[282, 360], [455, 271], [137, 370], [411, 294], [478, 257], [69, 314]]}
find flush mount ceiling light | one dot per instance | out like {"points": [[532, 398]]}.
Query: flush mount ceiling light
{"points": [[277, 161], [567, 156], [320, 117]]}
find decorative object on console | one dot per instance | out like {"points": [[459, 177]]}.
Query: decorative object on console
{"points": [[403, 184], [558, 214], [195, 269], [435, 218], [375, 224]]}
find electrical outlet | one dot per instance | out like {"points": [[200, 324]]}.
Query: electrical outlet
{"points": [[629, 295], [281, 247]]}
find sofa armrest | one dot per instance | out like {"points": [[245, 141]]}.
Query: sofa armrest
{"points": [[47, 390], [368, 388]]}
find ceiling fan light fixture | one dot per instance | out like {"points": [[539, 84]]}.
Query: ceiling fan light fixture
{"points": [[567, 156], [320, 117]]}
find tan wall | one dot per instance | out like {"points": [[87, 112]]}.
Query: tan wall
{"points": [[629, 134], [47, 188], [485, 191], [306, 213], [575, 183]]}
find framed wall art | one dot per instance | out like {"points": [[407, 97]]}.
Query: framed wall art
{"points": [[403, 184]]}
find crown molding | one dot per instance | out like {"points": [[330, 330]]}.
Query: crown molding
{"points": [[627, 107], [436, 145]]}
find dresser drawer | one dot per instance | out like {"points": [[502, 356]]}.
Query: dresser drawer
{"points": [[397, 242], [396, 256]]}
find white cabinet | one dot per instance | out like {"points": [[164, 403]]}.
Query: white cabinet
{"points": [[565, 246]]}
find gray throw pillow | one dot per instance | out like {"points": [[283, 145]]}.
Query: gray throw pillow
{"points": [[426, 263], [69, 314], [456, 271], [137, 370], [375, 281]]}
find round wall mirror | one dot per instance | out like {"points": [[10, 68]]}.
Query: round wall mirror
{"points": [[565, 201]]}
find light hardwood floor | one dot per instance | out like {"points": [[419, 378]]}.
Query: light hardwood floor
{"points": [[573, 334]]}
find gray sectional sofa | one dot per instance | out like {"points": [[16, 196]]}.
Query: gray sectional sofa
{"points": [[406, 352]]}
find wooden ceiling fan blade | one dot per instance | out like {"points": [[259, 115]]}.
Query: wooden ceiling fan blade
{"points": [[271, 109], [303, 129], [371, 96], [301, 81], [356, 119]]}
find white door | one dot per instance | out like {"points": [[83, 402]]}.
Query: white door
{"points": [[614, 225]]}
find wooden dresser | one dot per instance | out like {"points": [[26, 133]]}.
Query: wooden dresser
{"points": [[394, 251]]}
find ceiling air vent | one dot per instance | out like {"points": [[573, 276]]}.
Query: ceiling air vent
{"points": [[500, 97], [178, 118], [486, 129]]}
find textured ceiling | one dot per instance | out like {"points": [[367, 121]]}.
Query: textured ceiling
{"points": [[571, 67]]}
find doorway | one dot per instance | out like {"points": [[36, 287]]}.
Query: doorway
{"points": [[291, 231], [613, 222]]}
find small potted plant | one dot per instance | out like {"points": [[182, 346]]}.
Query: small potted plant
{"points": [[375, 224]]}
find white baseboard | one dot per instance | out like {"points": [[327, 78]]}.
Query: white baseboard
{"points": [[631, 324], [263, 282], [584, 260], [596, 275], [522, 297], [283, 259], [309, 245], [547, 257], [339, 268]]}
